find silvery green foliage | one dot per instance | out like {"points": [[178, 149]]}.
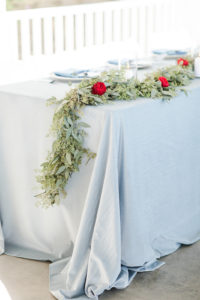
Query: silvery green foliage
{"points": [[68, 148]]}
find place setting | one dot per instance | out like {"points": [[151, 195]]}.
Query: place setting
{"points": [[171, 53], [73, 75], [131, 66]]}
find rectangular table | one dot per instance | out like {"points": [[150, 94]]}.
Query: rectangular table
{"points": [[138, 200]]}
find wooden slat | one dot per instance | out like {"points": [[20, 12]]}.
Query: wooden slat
{"points": [[108, 26], [37, 36], [48, 36], [79, 30], [134, 23], [59, 45], [168, 19], [69, 31], [89, 30], [142, 30], [149, 27], [25, 38], [116, 26], [125, 23], [13, 40], [158, 18], [99, 28]]}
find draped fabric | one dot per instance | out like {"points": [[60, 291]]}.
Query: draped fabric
{"points": [[1, 241], [138, 200]]}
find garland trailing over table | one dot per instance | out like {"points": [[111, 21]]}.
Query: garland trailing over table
{"points": [[68, 148]]}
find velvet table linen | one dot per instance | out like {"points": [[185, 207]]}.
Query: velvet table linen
{"points": [[138, 200]]}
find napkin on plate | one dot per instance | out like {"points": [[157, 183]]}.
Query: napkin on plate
{"points": [[169, 52], [159, 51], [71, 73], [176, 52], [122, 61]]}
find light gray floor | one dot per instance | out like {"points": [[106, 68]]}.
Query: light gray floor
{"points": [[179, 279]]}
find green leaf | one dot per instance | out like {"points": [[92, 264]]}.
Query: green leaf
{"points": [[158, 83], [115, 94], [68, 133], [69, 120], [129, 94], [153, 93], [68, 158], [185, 91], [55, 160], [60, 170], [179, 78], [83, 124], [58, 182], [97, 99], [166, 93], [57, 199], [67, 175], [66, 122], [76, 153]]}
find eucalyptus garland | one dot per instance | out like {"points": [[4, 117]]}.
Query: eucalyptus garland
{"points": [[68, 148]]}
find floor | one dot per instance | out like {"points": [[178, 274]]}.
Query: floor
{"points": [[179, 279]]}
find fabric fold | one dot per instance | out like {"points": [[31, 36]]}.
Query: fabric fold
{"points": [[92, 267], [137, 201], [1, 241]]}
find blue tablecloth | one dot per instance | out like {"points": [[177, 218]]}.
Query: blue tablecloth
{"points": [[138, 200]]}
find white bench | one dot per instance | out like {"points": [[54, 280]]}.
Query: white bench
{"points": [[35, 42]]}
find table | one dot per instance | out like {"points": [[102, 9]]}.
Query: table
{"points": [[138, 200]]}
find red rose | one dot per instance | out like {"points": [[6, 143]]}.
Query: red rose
{"points": [[183, 62], [99, 88], [164, 81]]}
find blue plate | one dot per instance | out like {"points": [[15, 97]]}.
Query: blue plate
{"points": [[176, 52], [169, 52], [72, 73], [159, 51]]}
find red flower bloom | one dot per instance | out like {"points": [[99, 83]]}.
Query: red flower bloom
{"points": [[164, 81], [99, 88], [183, 62]]}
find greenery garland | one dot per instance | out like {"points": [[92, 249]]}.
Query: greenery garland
{"points": [[68, 148]]}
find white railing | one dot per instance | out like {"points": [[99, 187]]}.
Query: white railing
{"points": [[54, 31], [48, 37]]}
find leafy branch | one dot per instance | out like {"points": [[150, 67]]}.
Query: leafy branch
{"points": [[69, 133]]}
